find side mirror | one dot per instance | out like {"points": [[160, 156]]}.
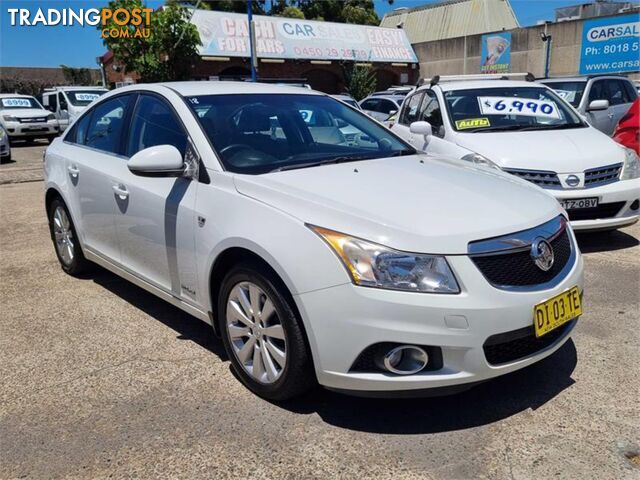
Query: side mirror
{"points": [[392, 112], [421, 128], [158, 161], [598, 105]]}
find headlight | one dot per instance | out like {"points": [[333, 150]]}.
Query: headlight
{"points": [[631, 168], [9, 118], [51, 116], [2, 133], [373, 265], [481, 160]]}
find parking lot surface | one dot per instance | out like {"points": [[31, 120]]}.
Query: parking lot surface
{"points": [[101, 379]]}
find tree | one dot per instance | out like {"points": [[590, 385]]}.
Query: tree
{"points": [[361, 80], [291, 12], [361, 12], [234, 6], [166, 53], [77, 76]]}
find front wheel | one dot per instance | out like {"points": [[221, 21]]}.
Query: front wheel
{"points": [[262, 334], [65, 239]]}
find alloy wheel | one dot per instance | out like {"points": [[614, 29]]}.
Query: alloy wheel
{"points": [[255, 332], [63, 235]]}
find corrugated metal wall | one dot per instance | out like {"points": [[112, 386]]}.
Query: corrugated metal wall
{"points": [[453, 18]]}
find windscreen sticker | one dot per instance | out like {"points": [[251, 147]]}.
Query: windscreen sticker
{"points": [[16, 102], [567, 95], [86, 97], [527, 107], [472, 123], [306, 115]]}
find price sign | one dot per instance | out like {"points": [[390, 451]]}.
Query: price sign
{"points": [[86, 97], [16, 102], [518, 106]]}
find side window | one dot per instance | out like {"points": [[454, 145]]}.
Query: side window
{"points": [[632, 93], [53, 102], [430, 112], [62, 101], [78, 133], [598, 91], [371, 104], [386, 106], [105, 126], [155, 123], [410, 109], [617, 93]]}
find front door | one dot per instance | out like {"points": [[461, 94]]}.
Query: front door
{"points": [[155, 217]]}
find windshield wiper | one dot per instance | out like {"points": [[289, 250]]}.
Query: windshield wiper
{"points": [[503, 128], [326, 161]]}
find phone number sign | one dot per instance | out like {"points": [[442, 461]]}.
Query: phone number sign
{"points": [[610, 45]]}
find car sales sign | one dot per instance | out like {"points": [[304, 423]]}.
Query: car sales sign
{"points": [[610, 45], [227, 35]]}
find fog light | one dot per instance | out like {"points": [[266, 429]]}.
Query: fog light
{"points": [[635, 205], [405, 360]]}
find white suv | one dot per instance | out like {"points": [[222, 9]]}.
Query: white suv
{"points": [[363, 266], [23, 118], [526, 129]]}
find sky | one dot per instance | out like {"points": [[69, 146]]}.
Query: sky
{"points": [[76, 46]]}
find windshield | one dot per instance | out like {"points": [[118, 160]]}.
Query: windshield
{"points": [[82, 98], [259, 133], [508, 108], [19, 102], [569, 91]]}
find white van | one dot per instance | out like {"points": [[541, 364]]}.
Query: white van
{"points": [[66, 103], [526, 129]]}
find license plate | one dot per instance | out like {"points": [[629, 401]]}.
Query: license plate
{"points": [[577, 203], [556, 311]]}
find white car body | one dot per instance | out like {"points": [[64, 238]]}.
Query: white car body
{"points": [[575, 155], [66, 103], [5, 146], [30, 121], [167, 235]]}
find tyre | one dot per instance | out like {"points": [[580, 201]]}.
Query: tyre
{"points": [[263, 334], [65, 239]]}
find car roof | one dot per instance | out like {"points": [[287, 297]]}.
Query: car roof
{"points": [[580, 78], [192, 88], [484, 84], [342, 96], [15, 95], [393, 98]]}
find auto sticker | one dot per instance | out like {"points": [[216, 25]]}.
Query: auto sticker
{"points": [[472, 123], [518, 106]]}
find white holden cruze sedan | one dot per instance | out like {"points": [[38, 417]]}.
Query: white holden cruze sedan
{"points": [[352, 262]]}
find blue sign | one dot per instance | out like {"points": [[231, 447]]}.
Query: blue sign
{"points": [[496, 53], [611, 45]]}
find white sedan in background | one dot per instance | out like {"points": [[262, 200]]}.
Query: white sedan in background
{"points": [[527, 130], [367, 268]]}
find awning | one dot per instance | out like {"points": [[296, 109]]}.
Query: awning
{"points": [[227, 35]]}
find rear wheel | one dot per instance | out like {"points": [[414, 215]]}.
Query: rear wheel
{"points": [[262, 334], [65, 239]]}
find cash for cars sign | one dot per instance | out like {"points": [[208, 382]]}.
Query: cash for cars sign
{"points": [[227, 35], [611, 45]]}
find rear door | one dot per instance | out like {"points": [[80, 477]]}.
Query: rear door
{"points": [[92, 159], [155, 217], [620, 100], [63, 111]]}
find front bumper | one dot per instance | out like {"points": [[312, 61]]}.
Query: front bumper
{"points": [[17, 130], [623, 192], [344, 320]]}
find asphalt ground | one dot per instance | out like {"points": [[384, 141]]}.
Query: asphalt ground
{"points": [[100, 379]]}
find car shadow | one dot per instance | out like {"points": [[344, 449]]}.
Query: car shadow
{"points": [[593, 242], [186, 326], [486, 403]]}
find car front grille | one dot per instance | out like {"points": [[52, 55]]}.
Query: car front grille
{"points": [[32, 120], [542, 178], [507, 262], [602, 175], [604, 210], [518, 344]]}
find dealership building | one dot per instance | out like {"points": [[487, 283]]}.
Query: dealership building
{"points": [[316, 53]]}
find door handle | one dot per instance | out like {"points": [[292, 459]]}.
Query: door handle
{"points": [[73, 170], [121, 191], [610, 115]]}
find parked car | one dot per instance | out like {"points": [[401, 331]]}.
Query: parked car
{"points": [[23, 118], [66, 103], [601, 99], [526, 129], [371, 270], [5, 146], [381, 106], [348, 99], [627, 132]]}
